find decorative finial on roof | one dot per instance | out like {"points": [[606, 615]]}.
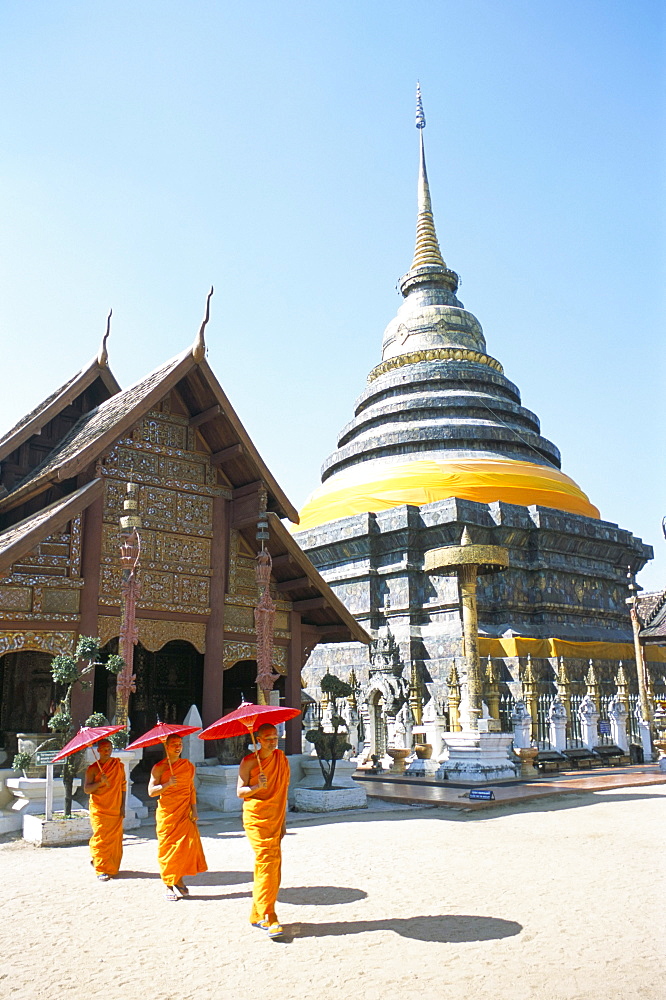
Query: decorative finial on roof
{"points": [[427, 246], [199, 345], [466, 538], [103, 354], [420, 114]]}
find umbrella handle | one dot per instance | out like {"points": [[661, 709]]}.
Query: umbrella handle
{"points": [[167, 757], [254, 742], [98, 762]]}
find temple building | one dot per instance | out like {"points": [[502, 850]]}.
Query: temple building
{"points": [[440, 446], [202, 489]]}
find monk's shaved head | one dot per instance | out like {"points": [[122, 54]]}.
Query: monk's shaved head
{"points": [[265, 729]]}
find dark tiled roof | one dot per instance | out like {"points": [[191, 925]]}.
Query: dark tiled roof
{"points": [[648, 605], [93, 425], [29, 417], [652, 612], [33, 422]]}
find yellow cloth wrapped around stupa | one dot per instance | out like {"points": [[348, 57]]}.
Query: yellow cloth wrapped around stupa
{"points": [[372, 486]]}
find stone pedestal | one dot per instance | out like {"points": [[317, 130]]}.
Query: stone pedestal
{"points": [[55, 832], [557, 718], [476, 757], [617, 715], [30, 795], [216, 788], [422, 764], [589, 717], [646, 739], [330, 800], [313, 778]]}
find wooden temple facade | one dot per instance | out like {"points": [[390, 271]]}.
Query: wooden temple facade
{"points": [[202, 487]]}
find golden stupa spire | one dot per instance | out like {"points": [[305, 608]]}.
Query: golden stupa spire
{"points": [[427, 250]]}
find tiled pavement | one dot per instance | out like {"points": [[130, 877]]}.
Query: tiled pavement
{"points": [[422, 791]]}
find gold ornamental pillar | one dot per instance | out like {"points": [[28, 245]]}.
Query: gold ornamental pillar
{"points": [[564, 690], [467, 561], [491, 688], [622, 686], [530, 685], [454, 701]]}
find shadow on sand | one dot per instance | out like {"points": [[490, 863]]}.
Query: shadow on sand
{"points": [[320, 895], [449, 928]]}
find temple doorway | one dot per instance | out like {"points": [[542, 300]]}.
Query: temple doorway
{"points": [[27, 694], [168, 682]]}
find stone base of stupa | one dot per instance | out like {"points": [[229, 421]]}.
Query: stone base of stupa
{"points": [[474, 757]]}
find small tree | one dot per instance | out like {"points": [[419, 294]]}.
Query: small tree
{"points": [[66, 672], [331, 746]]}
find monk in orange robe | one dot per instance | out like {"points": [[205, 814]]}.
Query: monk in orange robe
{"points": [[105, 784], [264, 793], [179, 850]]}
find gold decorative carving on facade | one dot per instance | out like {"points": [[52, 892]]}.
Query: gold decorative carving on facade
{"points": [[43, 642], [60, 601], [107, 628], [434, 354], [235, 651], [155, 634], [240, 616], [75, 547], [15, 598]]}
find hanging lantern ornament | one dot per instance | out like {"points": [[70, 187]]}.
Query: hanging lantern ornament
{"points": [[264, 614]]}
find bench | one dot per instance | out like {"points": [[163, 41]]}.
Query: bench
{"points": [[581, 758]]}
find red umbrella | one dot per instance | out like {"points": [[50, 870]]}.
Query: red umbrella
{"points": [[245, 720], [160, 734], [86, 736]]}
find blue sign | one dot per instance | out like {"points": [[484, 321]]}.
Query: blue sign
{"points": [[481, 793], [604, 727]]}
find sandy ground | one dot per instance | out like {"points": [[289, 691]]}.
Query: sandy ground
{"points": [[561, 900]]}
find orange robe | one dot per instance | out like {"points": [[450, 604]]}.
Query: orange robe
{"points": [[263, 818], [106, 808], [179, 850]]}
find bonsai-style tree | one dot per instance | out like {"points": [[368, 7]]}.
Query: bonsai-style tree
{"points": [[67, 672], [331, 746]]}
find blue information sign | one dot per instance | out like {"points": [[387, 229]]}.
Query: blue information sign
{"points": [[604, 727], [482, 793]]}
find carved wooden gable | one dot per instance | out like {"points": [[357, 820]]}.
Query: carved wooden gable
{"points": [[177, 484], [46, 583]]}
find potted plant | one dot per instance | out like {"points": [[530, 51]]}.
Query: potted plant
{"points": [[330, 745], [22, 761], [66, 673], [69, 825]]}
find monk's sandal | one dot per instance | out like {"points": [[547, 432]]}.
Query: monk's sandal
{"points": [[171, 895], [275, 930]]}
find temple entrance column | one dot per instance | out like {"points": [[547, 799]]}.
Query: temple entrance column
{"points": [[213, 683], [293, 728]]}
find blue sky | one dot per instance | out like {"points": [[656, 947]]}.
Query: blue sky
{"points": [[149, 149]]}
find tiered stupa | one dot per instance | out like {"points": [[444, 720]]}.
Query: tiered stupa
{"points": [[438, 417], [440, 442]]}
